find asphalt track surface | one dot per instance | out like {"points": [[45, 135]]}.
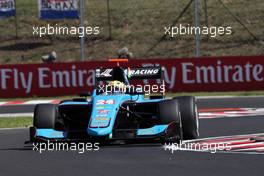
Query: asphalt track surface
{"points": [[128, 160]]}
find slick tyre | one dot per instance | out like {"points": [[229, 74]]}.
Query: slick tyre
{"points": [[169, 111], [189, 117], [45, 116]]}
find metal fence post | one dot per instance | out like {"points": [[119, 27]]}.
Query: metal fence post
{"points": [[197, 24], [82, 39]]}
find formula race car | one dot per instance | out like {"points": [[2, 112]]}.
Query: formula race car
{"points": [[119, 111]]}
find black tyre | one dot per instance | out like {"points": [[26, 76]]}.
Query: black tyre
{"points": [[45, 116], [169, 111], [189, 117]]}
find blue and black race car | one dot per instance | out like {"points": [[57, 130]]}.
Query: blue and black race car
{"points": [[118, 110]]}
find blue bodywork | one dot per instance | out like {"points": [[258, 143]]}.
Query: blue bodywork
{"points": [[102, 119]]}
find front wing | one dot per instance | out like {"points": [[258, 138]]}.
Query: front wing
{"points": [[172, 132]]}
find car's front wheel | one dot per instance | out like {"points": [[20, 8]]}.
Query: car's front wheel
{"points": [[189, 117], [169, 111], [45, 116]]}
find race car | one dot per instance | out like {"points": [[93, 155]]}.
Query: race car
{"points": [[118, 111]]}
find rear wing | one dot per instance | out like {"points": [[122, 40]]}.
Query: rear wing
{"points": [[131, 73]]}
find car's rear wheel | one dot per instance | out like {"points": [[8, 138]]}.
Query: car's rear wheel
{"points": [[45, 116], [189, 117]]}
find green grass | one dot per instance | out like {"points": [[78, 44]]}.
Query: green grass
{"points": [[15, 122], [137, 24]]}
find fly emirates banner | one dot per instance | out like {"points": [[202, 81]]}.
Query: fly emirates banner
{"points": [[180, 75]]}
